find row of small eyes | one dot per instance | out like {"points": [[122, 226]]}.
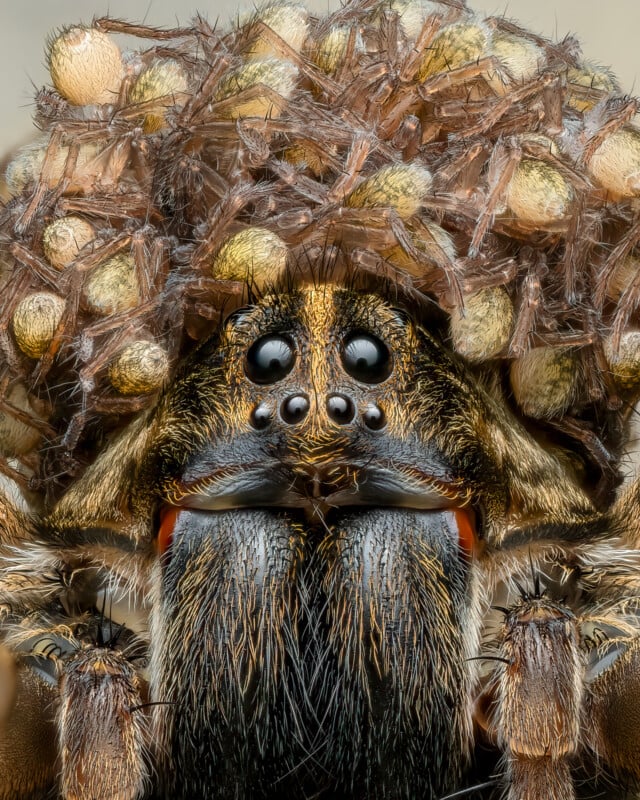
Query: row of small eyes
{"points": [[364, 357]]}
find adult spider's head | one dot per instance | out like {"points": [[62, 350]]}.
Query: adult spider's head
{"points": [[321, 397]]}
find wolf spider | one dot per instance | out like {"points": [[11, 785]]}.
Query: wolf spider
{"points": [[326, 563]]}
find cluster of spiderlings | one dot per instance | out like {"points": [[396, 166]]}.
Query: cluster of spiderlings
{"points": [[462, 157]]}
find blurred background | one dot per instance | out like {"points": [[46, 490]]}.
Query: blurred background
{"points": [[608, 32]]}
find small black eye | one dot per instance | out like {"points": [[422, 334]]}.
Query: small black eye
{"points": [[261, 417], [270, 359], [366, 358], [374, 417]]}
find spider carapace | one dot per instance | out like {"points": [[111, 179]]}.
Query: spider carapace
{"points": [[318, 518]]}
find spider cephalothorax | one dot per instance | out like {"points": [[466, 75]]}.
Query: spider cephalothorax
{"points": [[315, 516]]}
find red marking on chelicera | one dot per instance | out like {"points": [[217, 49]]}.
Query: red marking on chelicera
{"points": [[463, 522], [466, 531], [168, 519]]}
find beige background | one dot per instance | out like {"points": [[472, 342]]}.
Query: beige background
{"points": [[609, 32]]}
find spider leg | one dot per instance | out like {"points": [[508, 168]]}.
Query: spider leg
{"points": [[613, 709], [78, 717], [101, 727], [539, 689], [28, 753]]}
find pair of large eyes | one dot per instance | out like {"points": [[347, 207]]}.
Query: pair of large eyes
{"points": [[365, 357]]}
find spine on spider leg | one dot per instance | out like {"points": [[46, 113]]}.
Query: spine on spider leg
{"points": [[539, 698], [101, 728]]}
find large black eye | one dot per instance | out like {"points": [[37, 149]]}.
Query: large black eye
{"points": [[366, 358], [269, 359]]}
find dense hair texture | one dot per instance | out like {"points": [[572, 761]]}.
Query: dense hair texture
{"points": [[459, 158], [319, 340]]}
